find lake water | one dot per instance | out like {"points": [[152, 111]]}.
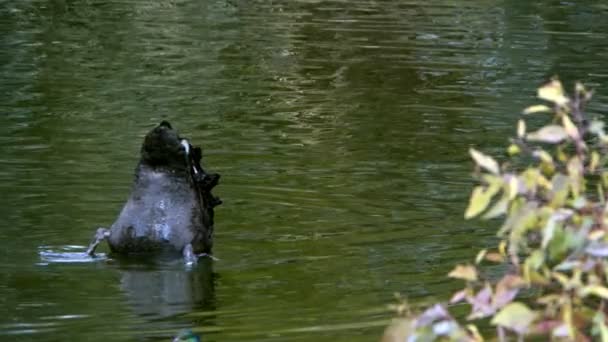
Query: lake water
{"points": [[340, 128]]}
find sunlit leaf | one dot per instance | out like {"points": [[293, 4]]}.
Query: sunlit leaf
{"points": [[597, 249], [548, 232], [549, 299], [560, 185], [596, 290], [495, 257], [544, 182], [570, 128], [595, 160], [533, 263], [400, 329], [599, 320], [597, 127], [552, 134], [553, 92], [515, 316], [497, 209], [579, 88], [446, 328], [575, 171], [543, 156], [562, 279], [559, 244], [484, 161], [537, 109], [549, 228], [568, 265], [506, 290], [562, 331], [521, 128], [513, 187], [527, 220], [567, 318], [502, 248], [474, 333], [596, 234], [459, 296], [481, 303], [513, 150], [480, 198], [432, 314], [466, 272], [480, 256]]}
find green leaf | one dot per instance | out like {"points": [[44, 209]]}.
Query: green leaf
{"points": [[484, 161], [558, 245], [515, 316], [552, 134], [560, 185], [575, 171], [599, 320]]}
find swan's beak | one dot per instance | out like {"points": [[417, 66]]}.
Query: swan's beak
{"points": [[186, 145]]}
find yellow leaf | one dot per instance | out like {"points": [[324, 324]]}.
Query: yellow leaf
{"points": [[549, 299], [562, 279], [537, 109], [595, 160], [466, 272], [480, 198], [474, 332], [575, 170], [567, 318], [515, 316], [513, 150], [502, 248], [484, 161], [553, 92], [596, 234], [513, 187], [544, 182], [596, 290]]}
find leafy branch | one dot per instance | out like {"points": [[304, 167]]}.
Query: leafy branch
{"points": [[552, 194]]}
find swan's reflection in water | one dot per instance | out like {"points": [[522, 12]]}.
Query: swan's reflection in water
{"points": [[161, 292]]}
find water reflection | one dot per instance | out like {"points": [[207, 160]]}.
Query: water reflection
{"points": [[159, 290]]}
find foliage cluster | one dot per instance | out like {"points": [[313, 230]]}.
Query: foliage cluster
{"points": [[552, 192]]}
